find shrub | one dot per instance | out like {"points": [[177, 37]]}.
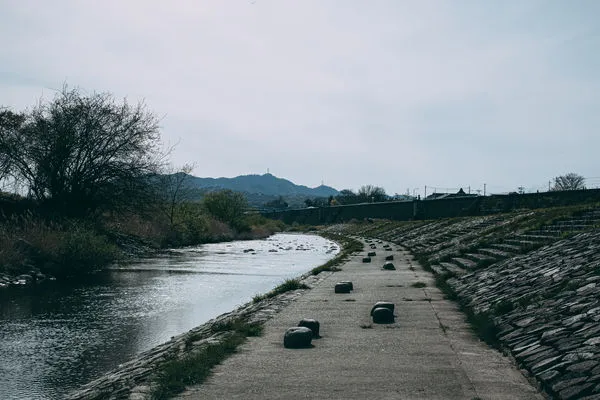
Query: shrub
{"points": [[80, 250], [67, 248]]}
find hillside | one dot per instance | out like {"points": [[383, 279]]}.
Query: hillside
{"points": [[266, 184]]}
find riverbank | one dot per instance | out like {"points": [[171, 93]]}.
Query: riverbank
{"points": [[41, 254], [354, 358], [425, 352], [61, 336], [138, 377], [135, 379], [527, 281]]}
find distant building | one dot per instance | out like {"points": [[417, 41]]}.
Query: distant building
{"points": [[460, 193]]}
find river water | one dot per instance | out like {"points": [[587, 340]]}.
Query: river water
{"points": [[56, 337]]}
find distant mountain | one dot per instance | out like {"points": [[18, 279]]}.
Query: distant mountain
{"points": [[266, 186]]}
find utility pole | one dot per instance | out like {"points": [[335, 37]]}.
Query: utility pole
{"points": [[484, 187], [549, 182], [469, 189], [425, 195]]}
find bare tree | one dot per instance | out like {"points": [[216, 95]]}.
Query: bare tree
{"points": [[81, 153], [371, 193], [174, 189], [570, 181], [9, 123]]}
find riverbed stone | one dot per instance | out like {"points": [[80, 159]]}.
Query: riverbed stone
{"points": [[389, 258], [297, 337], [366, 259], [371, 254]]}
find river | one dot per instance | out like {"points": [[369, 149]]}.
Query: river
{"points": [[56, 336]]}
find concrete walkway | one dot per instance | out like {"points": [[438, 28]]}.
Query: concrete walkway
{"points": [[428, 353]]}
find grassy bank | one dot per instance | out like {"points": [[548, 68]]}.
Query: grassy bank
{"points": [[287, 286], [42, 245], [175, 375], [348, 246]]}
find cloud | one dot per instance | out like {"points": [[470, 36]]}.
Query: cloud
{"points": [[394, 93]]}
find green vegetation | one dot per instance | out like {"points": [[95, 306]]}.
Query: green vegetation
{"points": [[366, 194], [173, 376], [66, 248], [62, 246], [287, 286], [99, 189], [228, 207]]}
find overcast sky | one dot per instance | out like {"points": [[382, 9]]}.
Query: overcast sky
{"points": [[399, 94]]}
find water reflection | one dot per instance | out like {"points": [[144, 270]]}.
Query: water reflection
{"points": [[57, 337]]}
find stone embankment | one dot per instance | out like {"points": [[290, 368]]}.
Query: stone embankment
{"points": [[134, 379], [530, 282], [545, 308]]}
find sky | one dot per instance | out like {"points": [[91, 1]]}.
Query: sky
{"points": [[400, 94]]}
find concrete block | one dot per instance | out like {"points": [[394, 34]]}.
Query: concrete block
{"points": [[311, 324], [342, 287], [382, 315], [389, 266], [297, 337]]}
